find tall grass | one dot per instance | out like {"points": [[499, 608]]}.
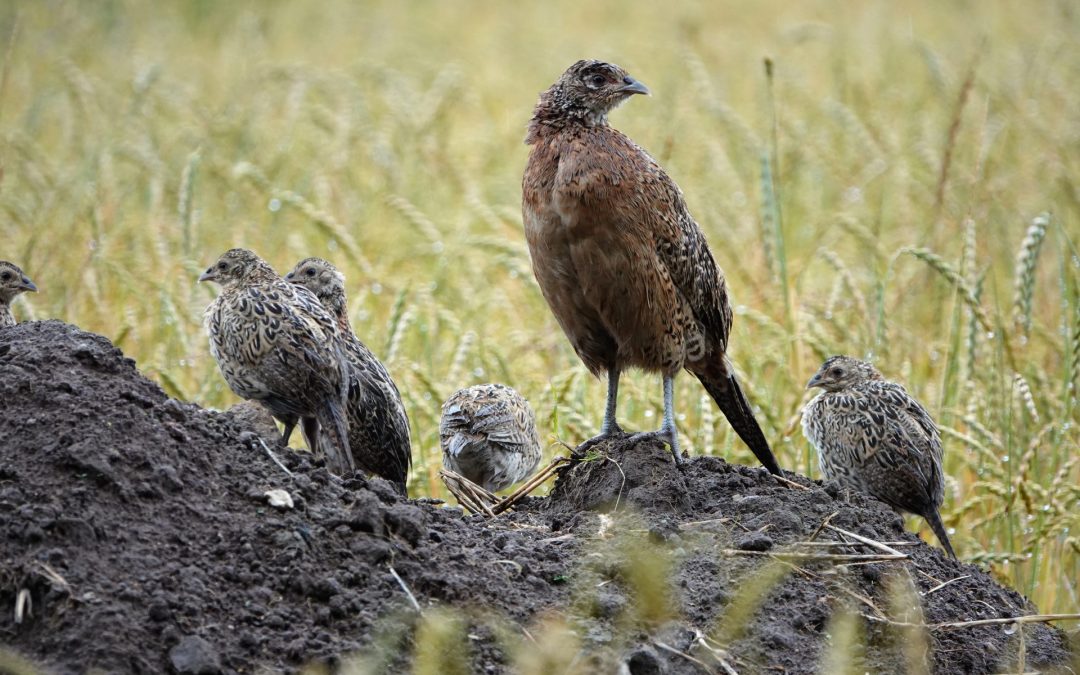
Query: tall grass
{"points": [[910, 150]]}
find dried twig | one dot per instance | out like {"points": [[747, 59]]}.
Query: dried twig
{"points": [[691, 659], [854, 544], [698, 523], [561, 537], [1030, 618], [943, 584], [53, 576], [717, 653], [24, 605], [404, 587], [866, 540], [470, 495], [840, 558], [274, 457], [824, 523], [790, 483], [536, 481], [949, 625]]}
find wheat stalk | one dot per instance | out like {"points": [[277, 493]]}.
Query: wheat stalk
{"points": [[1024, 284]]}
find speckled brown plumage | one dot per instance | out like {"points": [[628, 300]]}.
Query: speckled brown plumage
{"points": [[488, 435], [12, 283], [873, 436], [378, 425], [276, 344], [620, 260]]}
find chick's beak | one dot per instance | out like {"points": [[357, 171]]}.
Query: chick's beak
{"points": [[29, 285], [632, 86], [208, 275], [814, 381]]}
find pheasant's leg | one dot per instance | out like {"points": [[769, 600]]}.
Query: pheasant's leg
{"points": [[667, 432], [609, 427], [290, 424], [309, 427], [669, 419]]}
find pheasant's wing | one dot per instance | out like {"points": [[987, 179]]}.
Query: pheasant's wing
{"points": [[375, 407], [296, 345], [874, 437], [685, 254], [913, 429]]}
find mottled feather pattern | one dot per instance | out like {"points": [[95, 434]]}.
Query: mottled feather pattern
{"points": [[262, 345], [623, 265], [378, 424], [871, 435], [13, 282], [488, 434], [276, 344]]}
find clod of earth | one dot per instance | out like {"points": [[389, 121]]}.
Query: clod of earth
{"points": [[137, 529]]}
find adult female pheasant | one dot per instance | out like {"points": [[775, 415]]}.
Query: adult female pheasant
{"points": [[620, 260]]}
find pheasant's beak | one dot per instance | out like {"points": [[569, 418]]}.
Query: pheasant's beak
{"points": [[28, 285], [815, 381], [632, 86], [208, 275]]}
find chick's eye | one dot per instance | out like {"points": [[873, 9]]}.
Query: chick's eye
{"points": [[6, 276], [221, 265], [837, 372], [311, 273], [597, 80]]}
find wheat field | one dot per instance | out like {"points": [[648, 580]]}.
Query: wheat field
{"points": [[900, 183]]}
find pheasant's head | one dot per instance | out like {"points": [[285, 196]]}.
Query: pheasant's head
{"points": [[841, 372]]}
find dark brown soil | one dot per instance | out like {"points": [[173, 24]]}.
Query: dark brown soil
{"points": [[139, 527]]}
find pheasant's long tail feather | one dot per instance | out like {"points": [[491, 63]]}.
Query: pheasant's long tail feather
{"points": [[934, 520], [724, 389]]}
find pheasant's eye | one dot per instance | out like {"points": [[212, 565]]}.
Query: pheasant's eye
{"points": [[837, 372], [597, 80], [6, 276], [311, 272], [221, 266]]}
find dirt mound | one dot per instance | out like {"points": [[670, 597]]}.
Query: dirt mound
{"points": [[724, 518], [136, 536]]}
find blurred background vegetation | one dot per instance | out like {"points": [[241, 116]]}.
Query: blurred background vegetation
{"points": [[904, 187]]}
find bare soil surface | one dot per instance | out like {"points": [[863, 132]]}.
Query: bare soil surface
{"points": [[136, 536]]}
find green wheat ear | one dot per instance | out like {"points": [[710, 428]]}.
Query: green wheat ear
{"points": [[1024, 283]]}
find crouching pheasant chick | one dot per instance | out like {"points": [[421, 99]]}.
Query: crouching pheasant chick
{"points": [[488, 435], [873, 436]]}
